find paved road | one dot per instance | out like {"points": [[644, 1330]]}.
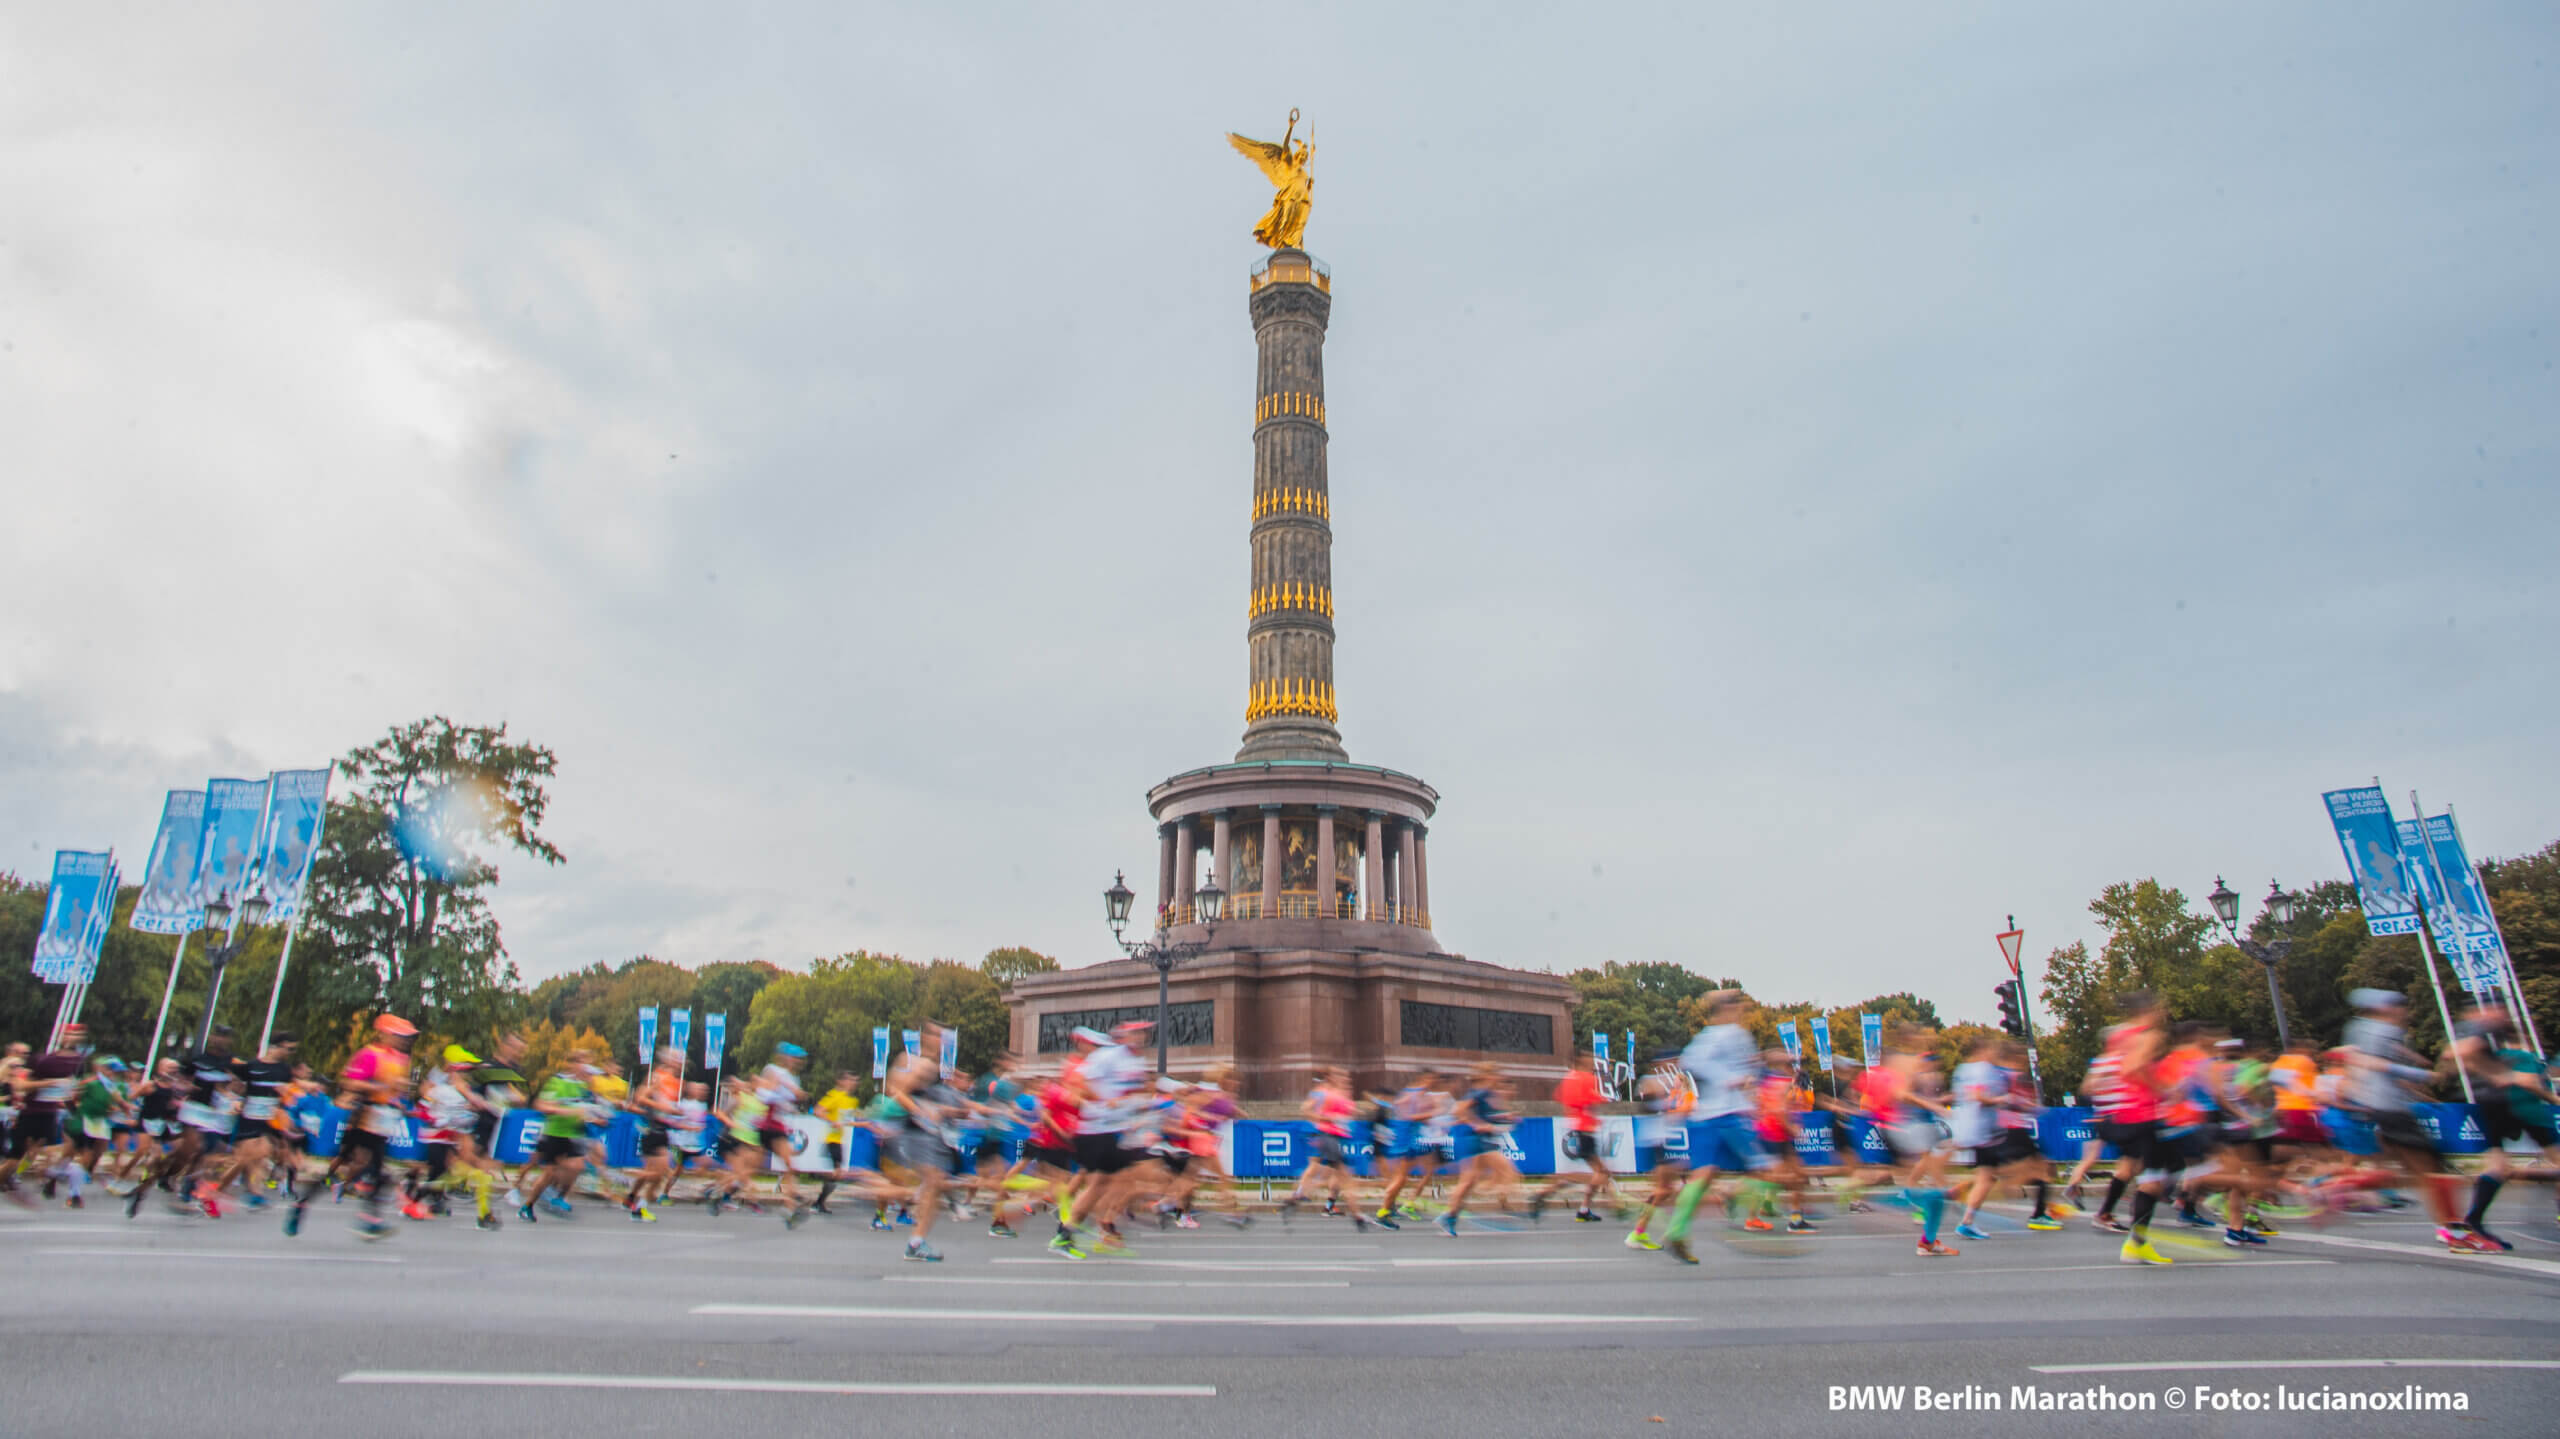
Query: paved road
{"points": [[697, 1325]]}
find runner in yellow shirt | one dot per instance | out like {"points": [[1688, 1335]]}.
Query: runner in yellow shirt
{"points": [[835, 1109]]}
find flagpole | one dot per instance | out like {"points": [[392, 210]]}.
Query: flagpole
{"points": [[151, 1056], [61, 1007], [277, 993], [2506, 956], [2419, 817]]}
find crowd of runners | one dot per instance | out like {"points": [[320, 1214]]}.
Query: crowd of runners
{"points": [[2228, 1135]]}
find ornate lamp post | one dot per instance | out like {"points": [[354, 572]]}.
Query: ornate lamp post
{"points": [[2279, 907], [223, 943], [1209, 901]]}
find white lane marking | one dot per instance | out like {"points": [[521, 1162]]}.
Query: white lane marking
{"points": [[2433, 1251], [1082, 1316], [1459, 1263], [1223, 1248], [771, 1386], [1119, 1283], [2168, 1366], [253, 1255], [92, 1231], [1987, 1270], [1241, 1266]]}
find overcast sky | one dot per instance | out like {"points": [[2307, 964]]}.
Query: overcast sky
{"points": [[1804, 488]]}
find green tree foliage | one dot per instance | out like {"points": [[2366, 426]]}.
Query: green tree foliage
{"points": [[1006, 965], [1645, 997], [388, 930], [2525, 892], [831, 1010]]}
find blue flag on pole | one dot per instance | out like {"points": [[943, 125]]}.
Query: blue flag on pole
{"points": [[2371, 843], [680, 1033], [95, 942], [715, 1038], [70, 914], [950, 1056], [1793, 1041], [1822, 1040], [648, 1035], [2456, 909], [167, 904], [297, 802], [233, 812], [914, 1039], [880, 1051], [1871, 1035]]}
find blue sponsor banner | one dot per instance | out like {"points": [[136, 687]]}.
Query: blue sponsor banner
{"points": [[913, 1038], [1871, 1035], [715, 1039], [1868, 1140], [1793, 1041], [680, 1033], [1281, 1148], [297, 803], [1817, 1144], [167, 904], [648, 1035], [1822, 1041], [880, 1051], [234, 811], [72, 909], [2474, 949], [2371, 843], [94, 939], [2064, 1133]]}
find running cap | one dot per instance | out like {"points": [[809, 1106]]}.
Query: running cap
{"points": [[456, 1054], [2375, 998], [793, 1050], [394, 1024], [111, 1062], [1086, 1034]]}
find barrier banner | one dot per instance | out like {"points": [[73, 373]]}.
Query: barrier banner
{"points": [[1616, 1138], [2062, 1134], [167, 904], [648, 1035], [1871, 1035], [71, 914], [2371, 844], [1816, 1142], [880, 1052], [297, 802], [1868, 1141], [680, 1034], [234, 809]]}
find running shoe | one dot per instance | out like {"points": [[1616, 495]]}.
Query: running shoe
{"points": [[253, 1199], [524, 1213], [1932, 1249], [2044, 1222], [1968, 1231], [2256, 1225], [879, 1221], [1000, 1230], [1641, 1240], [1384, 1220], [1359, 1221], [370, 1229], [2482, 1234], [1449, 1225], [2109, 1224], [1802, 1225], [488, 1223], [1679, 1249], [1585, 1216], [2137, 1252], [1758, 1222], [1108, 1245], [2478, 1244], [923, 1253], [413, 1211], [642, 1214], [798, 1216], [514, 1197], [293, 1221], [1064, 1243], [2063, 1209], [2193, 1220], [559, 1206], [1187, 1221]]}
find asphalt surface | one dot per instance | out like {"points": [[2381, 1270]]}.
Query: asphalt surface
{"points": [[163, 1324]]}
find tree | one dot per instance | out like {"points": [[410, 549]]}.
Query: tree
{"points": [[398, 901], [1006, 965], [1645, 997]]}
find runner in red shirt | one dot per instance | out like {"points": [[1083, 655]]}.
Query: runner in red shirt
{"points": [[1580, 1096]]}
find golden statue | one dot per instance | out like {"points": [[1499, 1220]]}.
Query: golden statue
{"points": [[1286, 166]]}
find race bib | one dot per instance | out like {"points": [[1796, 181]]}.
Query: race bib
{"points": [[381, 1119], [258, 1106]]}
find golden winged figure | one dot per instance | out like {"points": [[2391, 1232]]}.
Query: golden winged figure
{"points": [[1287, 166]]}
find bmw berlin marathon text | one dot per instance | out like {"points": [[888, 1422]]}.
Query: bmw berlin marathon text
{"points": [[2204, 1398]]}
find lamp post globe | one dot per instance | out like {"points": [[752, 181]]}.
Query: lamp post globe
{"points": [[253, 910], [1211, 902], [1116, 901], [2226, 905], [2279, 904]]}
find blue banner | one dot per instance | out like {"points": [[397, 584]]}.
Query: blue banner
{"points": [[2473, 949], [1600, 1050], [1822, 1040], [715, 1039], [648, 1035], [1793, 1041], [880, 1051], [914, 1039], [167, 904], [680, 1034], [1871, 1035], [297, 802], [72, 915], [950, 1056], [2371, 844], [234, 810]]}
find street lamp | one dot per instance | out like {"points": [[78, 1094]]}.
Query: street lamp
{"points": [[1209, 902], [222, 947], [2279, 908]]}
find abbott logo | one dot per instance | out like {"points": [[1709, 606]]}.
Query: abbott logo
{"points": [[1275, 1144]]}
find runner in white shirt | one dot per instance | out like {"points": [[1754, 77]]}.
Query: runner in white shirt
{"points": [[1112, 1096]]}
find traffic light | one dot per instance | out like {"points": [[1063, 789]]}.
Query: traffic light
{"points": [[2013, 1017]]}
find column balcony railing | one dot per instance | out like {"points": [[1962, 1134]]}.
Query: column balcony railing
{"points": [[1294, 904]]}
